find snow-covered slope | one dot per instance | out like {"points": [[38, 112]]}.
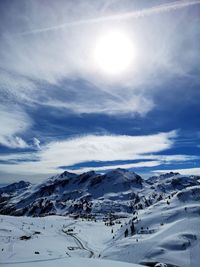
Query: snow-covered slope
{"points": [[116, 216], [74, 262], [27, 241], [168, 231]]}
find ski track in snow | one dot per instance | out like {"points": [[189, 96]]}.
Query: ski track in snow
{"points": [[80, 244]]}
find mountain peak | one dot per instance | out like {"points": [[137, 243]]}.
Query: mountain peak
{"points": [[67, 174], [15, 187], [123, 176], [169, 174]]}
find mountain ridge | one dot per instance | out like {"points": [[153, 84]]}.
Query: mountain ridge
{"points": [[118, 190]]}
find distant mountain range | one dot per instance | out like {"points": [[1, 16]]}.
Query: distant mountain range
{"points": [[90, 193]]}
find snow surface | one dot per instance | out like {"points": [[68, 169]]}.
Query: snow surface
{"points": [[73, 262], [56, 247], [166, 230]]}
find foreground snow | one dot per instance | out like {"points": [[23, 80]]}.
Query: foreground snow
{"points": [[166, 232], [73, 262], [51, 245]]}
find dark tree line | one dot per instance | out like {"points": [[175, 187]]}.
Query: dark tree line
{"points": [[132, 230]]}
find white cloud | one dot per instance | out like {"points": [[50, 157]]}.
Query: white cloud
{"points": [[36, 143], [105, 148], [14, 157], [13, 142], [49, 158], [93, 148], [12, 125]]}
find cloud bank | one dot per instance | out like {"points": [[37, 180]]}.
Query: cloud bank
{"points": [[90, 148]]}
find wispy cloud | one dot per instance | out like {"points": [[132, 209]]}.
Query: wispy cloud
{"points": [[36, 143], [124, 16], [51, 158], [93, 148], [152, 160], [12, 126], [137, 104], [36, 66], [125, 166], [18, 157]]}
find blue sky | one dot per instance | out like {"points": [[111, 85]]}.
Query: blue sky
{"points": [[59, 111]]}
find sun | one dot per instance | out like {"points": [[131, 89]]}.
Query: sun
{"points": [[114, 53]]}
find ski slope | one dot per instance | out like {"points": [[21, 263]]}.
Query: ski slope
{"points": [[50, 244]]}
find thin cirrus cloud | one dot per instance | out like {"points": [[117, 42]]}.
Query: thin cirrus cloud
{"points": [[136, 104], [166, 7], [41, 58]]}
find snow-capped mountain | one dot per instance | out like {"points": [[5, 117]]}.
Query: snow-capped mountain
{"points": [[170, 182], [90, 193], [71, 193]]}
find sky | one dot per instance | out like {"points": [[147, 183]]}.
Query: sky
{"points": [[65, 106]]}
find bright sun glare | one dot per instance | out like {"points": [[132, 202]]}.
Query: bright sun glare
{"points": [[114, 53]]}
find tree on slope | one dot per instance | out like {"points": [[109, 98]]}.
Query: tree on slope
{"points": [[126, 233]]}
